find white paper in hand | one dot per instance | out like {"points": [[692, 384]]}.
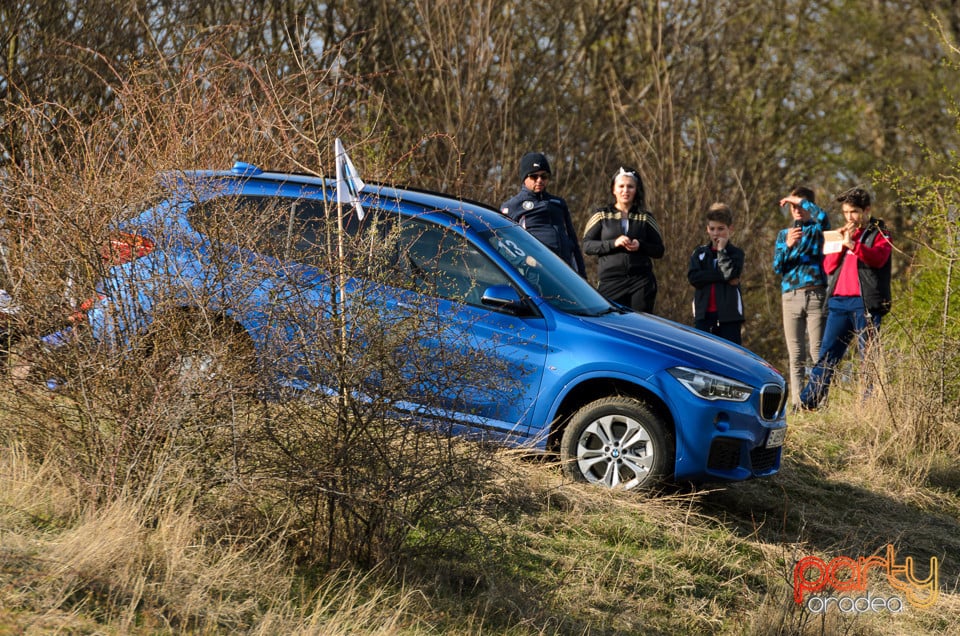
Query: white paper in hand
{"points": [[832, 242]]}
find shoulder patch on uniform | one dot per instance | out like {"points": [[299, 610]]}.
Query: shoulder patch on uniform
{"points": [[528, 205]]}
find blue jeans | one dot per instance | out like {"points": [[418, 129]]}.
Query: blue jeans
{"points": [[846, 319]]}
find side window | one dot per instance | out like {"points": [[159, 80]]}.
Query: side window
{"points": [[285, 228], [440, 262], [256, 224], [302, 233], [261, 224]]}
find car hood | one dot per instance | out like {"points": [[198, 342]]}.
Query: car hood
{"points": [[686, 346]]}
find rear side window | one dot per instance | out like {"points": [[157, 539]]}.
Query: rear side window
{"points": [[285, 228]]}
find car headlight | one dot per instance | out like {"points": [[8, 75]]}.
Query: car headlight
{"points": [[711, 386]]}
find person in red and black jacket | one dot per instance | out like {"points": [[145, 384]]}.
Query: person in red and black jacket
{"points": [[858, 291]]}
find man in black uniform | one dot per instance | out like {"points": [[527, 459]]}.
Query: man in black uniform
{"points": [[544, 215]]}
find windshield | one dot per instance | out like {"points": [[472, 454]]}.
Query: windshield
{"points": [[554, 280]]}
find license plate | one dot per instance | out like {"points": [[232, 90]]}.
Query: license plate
{"points": [[776, 437]]}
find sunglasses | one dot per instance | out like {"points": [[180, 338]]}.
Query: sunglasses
{"points": [[539, 175]]}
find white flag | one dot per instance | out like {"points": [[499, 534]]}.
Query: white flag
{"points": [[349, 182]]}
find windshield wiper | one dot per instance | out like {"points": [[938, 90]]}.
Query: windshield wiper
{"points": [[613, 309], [596, 314]]}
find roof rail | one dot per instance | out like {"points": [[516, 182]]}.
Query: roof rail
{"points": [[245, 169]]}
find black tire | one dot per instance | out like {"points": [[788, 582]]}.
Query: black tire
{"points": [[618, 442], [202, 355]]}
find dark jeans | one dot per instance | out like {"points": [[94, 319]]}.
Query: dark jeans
{"points": [[846, 319], [642, 299], [727, 330]]}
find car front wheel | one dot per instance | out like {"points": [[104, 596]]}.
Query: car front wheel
{"points": [[619, 443]]}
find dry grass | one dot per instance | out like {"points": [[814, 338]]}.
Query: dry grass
{"points": [[858, 475], [67, 566], [527, 553], [571, 559]]}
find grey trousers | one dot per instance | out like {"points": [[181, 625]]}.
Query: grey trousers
{"points": [[804, 315]]}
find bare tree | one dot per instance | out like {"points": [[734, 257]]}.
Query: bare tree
{"points": [[732, 101]]}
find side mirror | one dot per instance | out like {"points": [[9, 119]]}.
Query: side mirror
{"points": [[505, 297]]}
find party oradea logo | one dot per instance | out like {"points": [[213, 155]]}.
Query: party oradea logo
{"points": [[861, 585]]}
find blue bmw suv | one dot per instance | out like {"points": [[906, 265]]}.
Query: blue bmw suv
{"points": [[626, 399]]}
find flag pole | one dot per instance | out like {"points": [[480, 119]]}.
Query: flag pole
{"points": [[349, 185]]}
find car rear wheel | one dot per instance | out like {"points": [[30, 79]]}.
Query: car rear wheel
{"points": [[202, 355], [619, 443]]}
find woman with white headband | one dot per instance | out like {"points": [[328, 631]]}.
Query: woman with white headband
{"points": [[625, 237]]}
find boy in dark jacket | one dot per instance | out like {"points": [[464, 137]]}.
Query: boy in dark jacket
{"points": [[714, 271]]}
